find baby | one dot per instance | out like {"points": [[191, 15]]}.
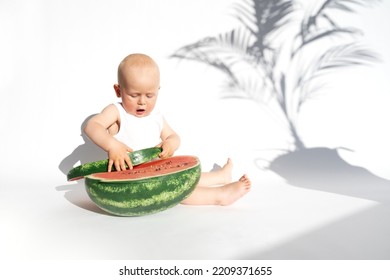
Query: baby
{"points": [[132, 124]]}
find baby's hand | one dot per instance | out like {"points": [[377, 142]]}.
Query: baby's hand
{"points": [[167, 149], [118, 157]]}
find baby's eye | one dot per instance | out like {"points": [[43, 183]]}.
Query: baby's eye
{"points": [[150, 95]]}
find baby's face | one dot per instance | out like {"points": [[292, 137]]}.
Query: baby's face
{"points": [[140, 93]]}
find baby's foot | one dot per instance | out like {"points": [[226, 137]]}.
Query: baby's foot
{"points": [[226, 172], [234, 191]]}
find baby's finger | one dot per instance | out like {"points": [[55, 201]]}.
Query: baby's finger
{"points": [[129, 163], [110, 163], [123, 165], [117, 165], [162, 154]]}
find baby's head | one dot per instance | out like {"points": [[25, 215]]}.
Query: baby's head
{"points": [[138, 84]]}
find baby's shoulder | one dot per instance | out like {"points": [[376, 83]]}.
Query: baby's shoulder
{"points": [[111, 108], [110, 112]]}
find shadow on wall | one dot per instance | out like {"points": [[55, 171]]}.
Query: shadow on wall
{"points": [[84, 153], [274, 43], [323, 169], [268, 58]]}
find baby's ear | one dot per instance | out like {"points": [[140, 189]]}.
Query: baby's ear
{"points": [[117, 89]]}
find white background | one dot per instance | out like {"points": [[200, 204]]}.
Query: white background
{"points": [[58, 63]]}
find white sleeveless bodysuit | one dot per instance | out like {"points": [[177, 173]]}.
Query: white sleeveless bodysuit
{"points": [[139, 133]]}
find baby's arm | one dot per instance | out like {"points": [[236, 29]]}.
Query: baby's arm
{"points": [[96, 130], [170, 141]]}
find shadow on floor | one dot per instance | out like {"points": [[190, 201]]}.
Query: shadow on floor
{"points": [[363, 236], [77, 195], [323, 169]]}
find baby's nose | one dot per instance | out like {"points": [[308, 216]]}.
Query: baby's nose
{"points": [[141, 100]]}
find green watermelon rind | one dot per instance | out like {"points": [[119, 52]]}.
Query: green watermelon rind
{"points": [[136, 157], [144, 196]]}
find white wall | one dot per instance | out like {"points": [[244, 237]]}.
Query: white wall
{"points": [[58, 63]]}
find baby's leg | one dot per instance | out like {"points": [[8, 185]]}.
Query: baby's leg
{"points": [[223, 195], [219, 177]]}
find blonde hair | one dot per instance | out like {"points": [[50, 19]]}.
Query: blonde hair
{"points": [[133, 61]]}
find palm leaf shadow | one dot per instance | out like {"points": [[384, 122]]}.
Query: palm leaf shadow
{"points": [[267, 32]]}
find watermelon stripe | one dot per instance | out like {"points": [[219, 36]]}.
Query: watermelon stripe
{"points": [[146, 195], [144, 189]]}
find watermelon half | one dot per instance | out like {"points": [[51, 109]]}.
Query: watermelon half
{"points": [[136, 157], [147, 188]]}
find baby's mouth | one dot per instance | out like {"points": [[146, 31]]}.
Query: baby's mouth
{"points": [[140, 111]]}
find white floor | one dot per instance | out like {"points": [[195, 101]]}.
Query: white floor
{"points": [[53, 219]]}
